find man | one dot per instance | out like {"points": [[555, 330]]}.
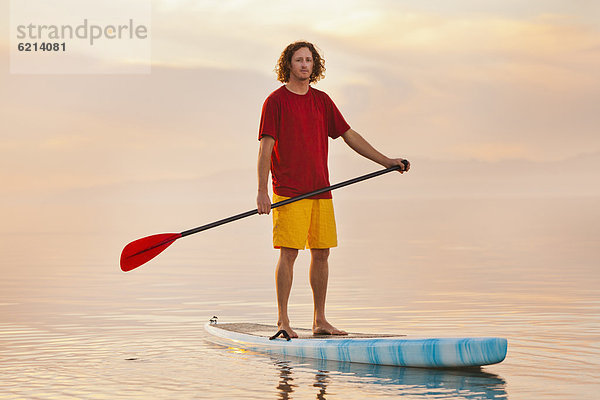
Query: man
{"points": [[296, 122]]}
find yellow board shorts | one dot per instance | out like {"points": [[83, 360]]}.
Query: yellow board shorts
{"points": [[307, 223]]}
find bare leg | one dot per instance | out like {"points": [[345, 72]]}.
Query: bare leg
{"points": [[319, 274], [283, 279]]}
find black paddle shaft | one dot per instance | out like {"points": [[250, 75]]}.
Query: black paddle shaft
{"points": [[293, 199]]}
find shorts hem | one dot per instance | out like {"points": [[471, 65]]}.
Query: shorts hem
{"points": [[305, 247]]}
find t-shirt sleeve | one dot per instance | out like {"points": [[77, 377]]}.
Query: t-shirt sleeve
{"points": [[269, 119], [337, 125]]}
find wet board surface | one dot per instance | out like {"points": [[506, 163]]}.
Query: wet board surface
{"points": [[269, 330], [376, 349]]}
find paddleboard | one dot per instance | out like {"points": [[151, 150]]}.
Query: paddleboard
{"points": [[376, 349]]}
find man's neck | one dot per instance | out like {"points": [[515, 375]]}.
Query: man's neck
{"points": [[298, 87]]}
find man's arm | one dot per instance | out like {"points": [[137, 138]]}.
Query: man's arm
{"points": [[263, 202], [362, 147]]}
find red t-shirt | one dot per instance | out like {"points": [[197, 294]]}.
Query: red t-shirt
{"points": [[300, 125]]}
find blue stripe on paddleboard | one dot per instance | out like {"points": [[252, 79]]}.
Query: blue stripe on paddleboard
{"points": [[372, 351], [430, 351], [344, 350], [398, 355], [464, 350], [322, 350]]}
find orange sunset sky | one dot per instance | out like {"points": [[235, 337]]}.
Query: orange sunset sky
{"points": [[485, 98]]}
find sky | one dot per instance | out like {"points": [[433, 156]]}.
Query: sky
{"points": [[471, 92]]}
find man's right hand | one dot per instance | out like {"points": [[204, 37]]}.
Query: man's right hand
{"points": [[263, 203]]}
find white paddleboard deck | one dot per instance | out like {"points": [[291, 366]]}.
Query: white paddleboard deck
{"points": [[377, 349]]}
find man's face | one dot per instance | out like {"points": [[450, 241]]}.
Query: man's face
{"points": [[302, 64]]}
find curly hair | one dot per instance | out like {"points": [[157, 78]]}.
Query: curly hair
{"points": [[285, 62]]}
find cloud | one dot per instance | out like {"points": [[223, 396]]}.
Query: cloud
{"points": [[65, 131], [417, 82]]}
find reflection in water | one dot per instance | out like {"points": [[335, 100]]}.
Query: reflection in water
{"points": [[470, 383], [285, 387], [321, 381]]}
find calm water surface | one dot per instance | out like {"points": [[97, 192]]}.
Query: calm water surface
{"points": [[73, 326]]}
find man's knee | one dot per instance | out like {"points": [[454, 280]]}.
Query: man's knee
{"points": [[319, 255], [288, 255]]}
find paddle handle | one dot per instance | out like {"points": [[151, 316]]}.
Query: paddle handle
{"points": [[292, 199]]}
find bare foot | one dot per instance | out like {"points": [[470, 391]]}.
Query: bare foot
{"points": [[325, 328], [288, 329]]}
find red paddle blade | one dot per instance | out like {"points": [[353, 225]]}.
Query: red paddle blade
{"points": [[145, 249]]}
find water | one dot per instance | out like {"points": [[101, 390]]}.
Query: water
{"points": [[72, 325]]}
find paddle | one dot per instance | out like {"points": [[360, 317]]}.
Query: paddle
{"points": [[143, 250]]}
